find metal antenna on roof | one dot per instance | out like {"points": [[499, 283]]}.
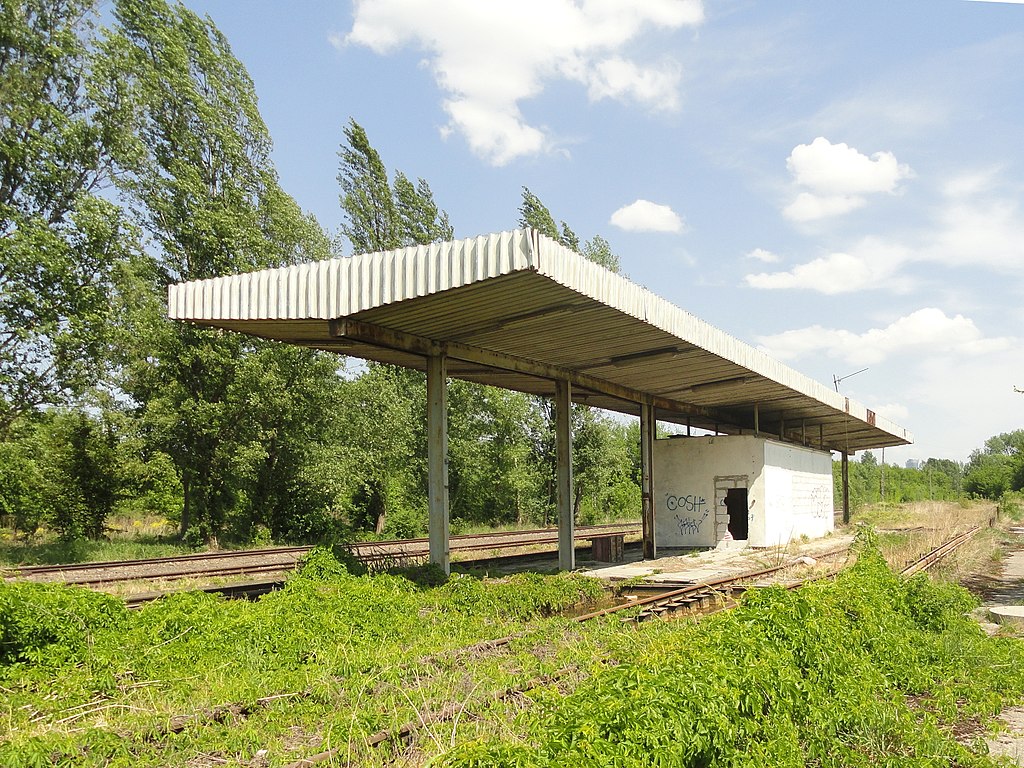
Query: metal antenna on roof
{"points": [[837, 379]]}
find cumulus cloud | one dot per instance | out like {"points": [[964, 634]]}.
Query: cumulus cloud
{"points": [[489, 57], [872, 264], [760, 254], [645, 216], [927, 330], [836, 178], [978, 224]]}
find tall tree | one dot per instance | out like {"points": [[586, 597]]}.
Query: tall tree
{"points": [[535, 215], [420, 221], [594, 469], [199, 179], [379, 215], [370, 219], [376, 215], [59, 238], [599, 251], [998, 467]]}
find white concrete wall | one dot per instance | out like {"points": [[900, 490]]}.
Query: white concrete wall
{"points": [[797, 493], [789, 490], [684, 492]]}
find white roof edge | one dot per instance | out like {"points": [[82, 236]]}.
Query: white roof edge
{"points": [[572, 270], [343, 286], [323, 290]]}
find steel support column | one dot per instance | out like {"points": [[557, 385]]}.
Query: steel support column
{"points": [[846, 488], [563, 452], [437, 459], [648, 424]]}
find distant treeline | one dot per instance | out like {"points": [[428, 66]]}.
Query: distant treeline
{"points": [[992, 471]]}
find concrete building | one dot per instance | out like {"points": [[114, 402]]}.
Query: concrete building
{"points": [[759, 491]]}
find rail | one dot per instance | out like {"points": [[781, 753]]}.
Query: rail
{"points": [[283, 559]]}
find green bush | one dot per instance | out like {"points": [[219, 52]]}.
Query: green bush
{"points": [[51, 624], [869, 670]]}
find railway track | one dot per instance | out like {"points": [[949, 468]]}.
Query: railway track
{"points": [[283, 559], [717, 593], [931, 558], [703, 598]]}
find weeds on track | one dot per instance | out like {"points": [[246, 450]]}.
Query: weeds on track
{"points": [[865, 670]]}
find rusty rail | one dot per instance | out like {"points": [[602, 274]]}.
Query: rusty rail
{"points": [[94, 574], [929, 559]]}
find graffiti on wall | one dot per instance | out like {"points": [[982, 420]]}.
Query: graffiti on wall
{"points": [[694, 509], [821, 502], [690, 502], [690, 526]]}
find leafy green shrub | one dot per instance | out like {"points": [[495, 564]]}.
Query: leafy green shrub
{"points": [[868, 670], [521, 596], [1011, 506], [320, 564], [53, 624]]}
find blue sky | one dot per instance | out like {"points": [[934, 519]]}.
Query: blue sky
{"points": [[839, 183]]}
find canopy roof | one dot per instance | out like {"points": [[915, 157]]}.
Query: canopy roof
{"points": [[518, 310]]}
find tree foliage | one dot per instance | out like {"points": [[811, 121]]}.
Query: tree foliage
{"points": [[936, 479], [199, 179], [997, 467], [379, 216], [134, 156], [59, 238], [533, 214]]}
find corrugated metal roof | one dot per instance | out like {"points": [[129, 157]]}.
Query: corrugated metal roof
{"points": [[514, 309]]}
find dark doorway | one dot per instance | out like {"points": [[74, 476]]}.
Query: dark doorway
{"points": [[736, 505]]}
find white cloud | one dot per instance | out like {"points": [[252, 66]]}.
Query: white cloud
{"points": [[489, 57], [872, 264], [618, 78], [838, 169], [645, 216], [811, 207], [971, 183], [927, 331], [760, 254], [978, 224], [836, 177]]}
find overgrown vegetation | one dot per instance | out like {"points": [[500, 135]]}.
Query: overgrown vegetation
{"points": [[864, 670], [86, 682]]}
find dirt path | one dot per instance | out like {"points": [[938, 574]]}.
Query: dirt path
{"points": [[1005, 586]]}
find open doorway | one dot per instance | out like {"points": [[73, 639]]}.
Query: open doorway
{"points": [[731, 507], [736, 506]]}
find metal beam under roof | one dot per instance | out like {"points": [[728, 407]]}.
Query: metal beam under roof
{"points": [[518, 310]]}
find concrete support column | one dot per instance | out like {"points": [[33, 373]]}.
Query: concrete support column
{"points": [[648, 425], [437, 459], [563, 453], [846, 488]]}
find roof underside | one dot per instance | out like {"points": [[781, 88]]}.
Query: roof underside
{"points": [[517, 310]]}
